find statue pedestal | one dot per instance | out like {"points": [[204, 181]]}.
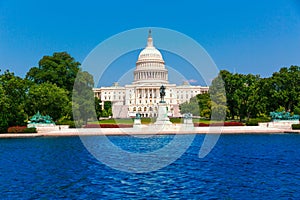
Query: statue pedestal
{"points": [[137, 123], [162, 118], [188, 120]]}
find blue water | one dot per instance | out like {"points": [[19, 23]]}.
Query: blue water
{"points": [[239, 167]]}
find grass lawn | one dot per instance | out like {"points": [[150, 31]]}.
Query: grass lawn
{"points": [[148, 121], [113, 121]]}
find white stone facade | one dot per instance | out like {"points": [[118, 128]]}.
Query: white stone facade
{"points": [[142, 96]]}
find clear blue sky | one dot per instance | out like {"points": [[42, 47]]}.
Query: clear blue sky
{"points": [[256, 37]]}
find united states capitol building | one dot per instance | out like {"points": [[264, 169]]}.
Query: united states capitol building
{"points": [[142, 96]]}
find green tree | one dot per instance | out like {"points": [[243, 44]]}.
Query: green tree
{"points": [[107, 108], [60, 69], [231, 84], [199, 105], [49, 99], [13, 96], [190, 107], [83, 100], [284, 88], [218, 99], [98, 107], [4, 107], [204, 103], [246, 96]]}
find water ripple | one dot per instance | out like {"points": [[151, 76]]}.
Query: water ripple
{"points": [[239, 167]]}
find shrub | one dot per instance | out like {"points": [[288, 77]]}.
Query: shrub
{"points": [[263, 119], [146, 120], [67, 122], [3, 129], [3, 126], [233, 124], [219, 124], [108, 126], [176, 120], [30, 130], [252, 122], [200, 124], [92, 126], [16, 129], [295, 126]]}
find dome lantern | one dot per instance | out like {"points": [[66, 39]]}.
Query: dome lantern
{"points": [[150, 66]]}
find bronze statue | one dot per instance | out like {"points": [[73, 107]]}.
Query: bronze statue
{"points": [[162, 93]]}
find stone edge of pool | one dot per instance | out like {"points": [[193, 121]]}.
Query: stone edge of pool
{"points": [[143, 131]]}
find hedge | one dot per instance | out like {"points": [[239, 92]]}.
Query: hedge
{"points": [[16, 129], [108, 126], [219, 124], [21, 129], [296, 126], [66, 122], [30, 130], [252, 122]]}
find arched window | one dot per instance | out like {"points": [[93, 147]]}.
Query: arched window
{"points": [[145, 109], [134, 108], [140, 109]]}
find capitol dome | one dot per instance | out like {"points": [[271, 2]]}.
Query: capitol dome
{"points": [[150, 66], [150, 54]]}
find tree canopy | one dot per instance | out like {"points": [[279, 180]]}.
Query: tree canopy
{"points": [[250, 96], [58, 86], [13, 96], [60, 69], [49, 99], [47, 88]]}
